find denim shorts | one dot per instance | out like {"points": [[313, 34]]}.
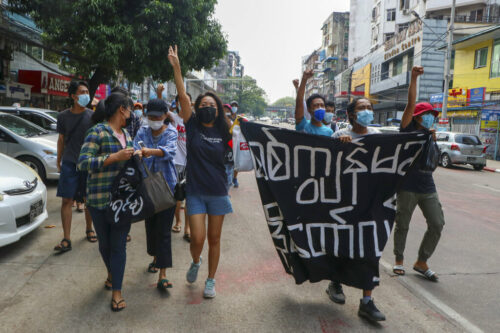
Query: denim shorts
{"points": [[207, 204], [70, 180]]}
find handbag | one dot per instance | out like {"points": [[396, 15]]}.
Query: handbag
{"points": [[180, 190], [155, 188], [430, 155], [241, 151]]}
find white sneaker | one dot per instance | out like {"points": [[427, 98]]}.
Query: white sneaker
{"points": [[192, 273], [209, 291]]}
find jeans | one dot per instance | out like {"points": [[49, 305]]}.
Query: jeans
{"points": [[159, 237], [433, 213], [112, 245]]}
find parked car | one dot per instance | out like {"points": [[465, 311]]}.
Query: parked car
{"points": [[23, 200], [276, 121], [30, 144], [44, 118], [460, 148]]}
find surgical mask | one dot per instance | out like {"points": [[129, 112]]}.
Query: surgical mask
{"points": [[138, 113], [319, 114], [328, 117], [234, 109], [427, 120], [207, 114], [83, 100], [155, 125], [228, 114], [365, 117]]}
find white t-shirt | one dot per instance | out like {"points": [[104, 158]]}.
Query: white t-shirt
{"points": [[348, 131], [178, 123]]}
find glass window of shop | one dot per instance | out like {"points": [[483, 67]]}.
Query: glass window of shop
{"points": [[495, 60]]}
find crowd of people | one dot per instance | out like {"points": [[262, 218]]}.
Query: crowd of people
{"points": [[190, 142]]}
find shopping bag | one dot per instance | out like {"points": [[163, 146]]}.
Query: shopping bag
{"points": [[241, 151]]}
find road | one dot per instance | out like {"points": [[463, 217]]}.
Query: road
{"points": [[44, 292]]}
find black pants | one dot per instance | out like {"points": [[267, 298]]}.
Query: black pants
{"points": [[159, 237]]}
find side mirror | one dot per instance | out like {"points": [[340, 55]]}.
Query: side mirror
{"points": [[53, 126]]}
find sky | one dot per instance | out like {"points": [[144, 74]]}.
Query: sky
{"points": [[272, 36]]}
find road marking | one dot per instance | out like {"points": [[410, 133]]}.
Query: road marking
{"points": [[487, 187], [434, 301]]}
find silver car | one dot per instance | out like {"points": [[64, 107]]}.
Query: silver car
{"points": [[461, 148], [44, 118], [30, 144]]}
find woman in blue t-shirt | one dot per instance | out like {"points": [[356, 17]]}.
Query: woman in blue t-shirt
{"points": [[208, 136]]}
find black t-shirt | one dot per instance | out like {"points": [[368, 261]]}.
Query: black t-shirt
{"points": [[417, 180], [205, 171], [73, 127]]}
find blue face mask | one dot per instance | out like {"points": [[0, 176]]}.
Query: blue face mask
{"points": [[365, 117], [83, 100], [138, 113], [319, 114], [427, 120], [234, 109], [328, 117]]}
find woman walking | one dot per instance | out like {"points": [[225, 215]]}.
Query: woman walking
{"points": [[105, 150], [206, 188], [157, 144]]}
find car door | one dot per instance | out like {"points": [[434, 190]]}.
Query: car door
{"points": [[8, 144], [36, 119], [442, 141]]}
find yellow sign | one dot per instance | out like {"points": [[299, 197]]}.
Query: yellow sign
{"points": [[454, 114], [485, 124]]}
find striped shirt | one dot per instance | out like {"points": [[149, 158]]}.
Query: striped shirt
{"points": [[99, 143]]}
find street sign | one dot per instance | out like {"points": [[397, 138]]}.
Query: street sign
{"points": [[444, 121]]}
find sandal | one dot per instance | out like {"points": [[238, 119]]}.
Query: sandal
{"points": [[163, 284], [187, 238], [61, 248], [152, 268], [79, 209], [108, 284], [91, 238], [429, 275], [117, 308], [129, 238], [398, 270], [176, 228]]}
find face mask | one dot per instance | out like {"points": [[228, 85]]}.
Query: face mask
{"points": [[328, 117], [138, 113], [128, 121], [234, 109], [228, 114], [319, 114], [207, 114], [155, 125], [427, 120], [83, 100], [365, 117]]}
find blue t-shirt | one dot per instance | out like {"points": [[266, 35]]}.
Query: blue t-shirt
{"points": [[205, 171], [306, 126]]}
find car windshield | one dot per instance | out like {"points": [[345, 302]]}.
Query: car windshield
{"points": [[20, 126], [468, 140], [53, 114]]}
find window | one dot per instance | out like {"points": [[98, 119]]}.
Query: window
{"points": [[404, 4], [388, 36], [495, 60], [468, 140], [476, 15], [410, 62], [391, 14], [442, 137], [481, 57], [375, 35], [397, 66], [403, 26]]}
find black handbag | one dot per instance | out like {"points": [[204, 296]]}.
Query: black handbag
{"points": [[180, 190], [155, 189], [430, 155]]}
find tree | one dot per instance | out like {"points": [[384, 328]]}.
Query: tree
{"points": [[285, 101], [100, 38], [250, 97]]}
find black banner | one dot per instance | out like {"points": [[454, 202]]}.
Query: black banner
{"points": [[330, 206]]}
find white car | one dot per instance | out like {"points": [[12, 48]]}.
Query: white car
{"points": [[23, 200]]}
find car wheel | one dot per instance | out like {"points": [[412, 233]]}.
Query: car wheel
{"points": [[478, 167], [445, 161], [35, 165]]}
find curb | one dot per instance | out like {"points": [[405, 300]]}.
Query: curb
{"points": [[491, 169]]}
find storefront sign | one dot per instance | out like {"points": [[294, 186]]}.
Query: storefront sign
{"points": [[45, 83], [489, 120], [460, 97], [476, 96], [19, 91], [403, 40], [461, 114]]}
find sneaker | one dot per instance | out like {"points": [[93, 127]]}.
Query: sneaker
{"points": [[370, 311], [336, 293], [192, 273], [235, 183], [209, 291]]}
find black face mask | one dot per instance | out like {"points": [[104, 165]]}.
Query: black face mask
{"points": [[128, 121], [207, 114]]}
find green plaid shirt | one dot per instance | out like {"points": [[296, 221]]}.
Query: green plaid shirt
{"points": [[100, 142]]}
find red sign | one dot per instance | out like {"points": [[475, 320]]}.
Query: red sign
{"points": [[444, 121], [44, 82], [244, 146]]}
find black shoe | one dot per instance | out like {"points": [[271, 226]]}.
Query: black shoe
{"points": [[336, 293], [370, 311]]}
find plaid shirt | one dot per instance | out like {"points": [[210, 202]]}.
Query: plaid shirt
{"points": [[100, 142]]}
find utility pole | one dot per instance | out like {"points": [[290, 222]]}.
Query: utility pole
{"points": [[448, 62]]}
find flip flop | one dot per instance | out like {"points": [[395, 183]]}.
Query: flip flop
{"points": [[93, 238], [398, 269], [117, 309], [187, 238], [61, 248], [176, 228], [161, 284], [152, 268], [429, 275]]}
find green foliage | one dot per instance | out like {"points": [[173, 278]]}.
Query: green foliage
{"points": [[102, 37], [250, 97], [285, 101]]}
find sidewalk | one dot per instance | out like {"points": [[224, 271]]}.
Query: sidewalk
{"points": [[47, 293], [493, 166]]}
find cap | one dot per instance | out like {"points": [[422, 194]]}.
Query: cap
{"points": [[156, 107], [227, 106], [138, 104], [424, 107], [234, 102]]}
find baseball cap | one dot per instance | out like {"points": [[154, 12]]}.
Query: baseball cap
{"points": [[138, 104], [424, 107], [234, 102], [227, 106], [156, 107]]}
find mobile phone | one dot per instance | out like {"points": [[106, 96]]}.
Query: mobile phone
{"points": [[141, 144]]}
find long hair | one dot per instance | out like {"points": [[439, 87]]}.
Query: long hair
{"points": [[105, 109], [351, 107], [221, 122]]}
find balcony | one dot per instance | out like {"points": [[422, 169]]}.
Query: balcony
{"points": [[468, 19]]}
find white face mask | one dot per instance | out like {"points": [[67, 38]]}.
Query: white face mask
{"points": [[155, 125]]}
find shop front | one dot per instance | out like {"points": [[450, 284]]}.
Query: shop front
{"points": [[49, 90], [490, 130]]}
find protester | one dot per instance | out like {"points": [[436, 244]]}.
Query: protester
{"points": [[228, 157], [232, 117], [206, 189], [139, 112], [329, 115], [315, 107], [418, 189], [158, 149], [104, 152], [360, 115], [71, 126]]}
